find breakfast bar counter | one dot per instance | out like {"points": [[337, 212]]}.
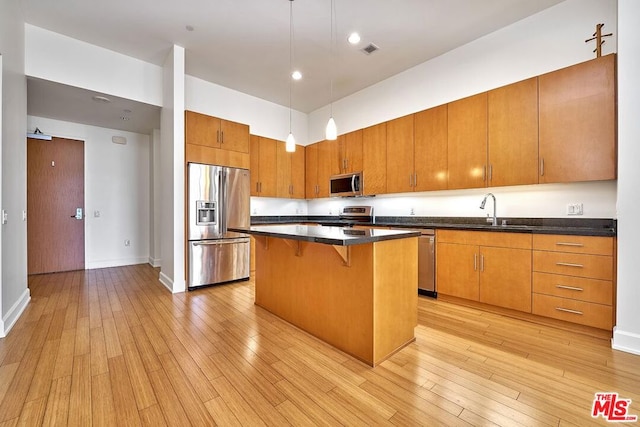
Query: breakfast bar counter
{"points": [[353, 288]]}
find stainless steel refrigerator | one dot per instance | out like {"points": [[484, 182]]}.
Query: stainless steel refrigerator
{"points": [[218, 200]]}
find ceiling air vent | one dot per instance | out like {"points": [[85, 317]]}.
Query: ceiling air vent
{"points": [[370, 48]]}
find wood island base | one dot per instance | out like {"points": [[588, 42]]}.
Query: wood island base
{"points": [[361, 299]]}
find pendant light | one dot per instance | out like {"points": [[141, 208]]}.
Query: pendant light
{"points": [[290, 144], [331, 132]]}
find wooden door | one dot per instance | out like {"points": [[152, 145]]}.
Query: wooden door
{"points": [[374, 159], [505, 277], [55, 189], [297, 172], [430, 149], [283, 171], [268, 162], [201, 129], [311, 171], [513, 134], [327, 165], [578, 122], [254, 165], [467, 142], [457, 268], [400, 155], [234, 136], [351, 151]]}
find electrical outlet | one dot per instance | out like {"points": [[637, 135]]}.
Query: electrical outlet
{"points": [[255, 211], [412, 211], [330, 212], [96, 214], [575, 209], [24, 215], [5, 216], [127, 242]]}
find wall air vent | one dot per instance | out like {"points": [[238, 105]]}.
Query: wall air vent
{"points": [[369, 49]]}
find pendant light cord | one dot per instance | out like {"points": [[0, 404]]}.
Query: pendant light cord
{"points": [[331, 51], [290, 57]]}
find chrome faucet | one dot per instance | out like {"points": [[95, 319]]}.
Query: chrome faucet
{"points": [[494, 220]]}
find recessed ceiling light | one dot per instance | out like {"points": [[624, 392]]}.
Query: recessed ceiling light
{"points": [[125, 118], [100, 98], [296, 75], [354, 38]]}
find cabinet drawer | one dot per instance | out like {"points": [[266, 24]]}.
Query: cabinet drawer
{"points": [[584, 313], [578, 288], [580, 265], [498, 239], [574, 244]]}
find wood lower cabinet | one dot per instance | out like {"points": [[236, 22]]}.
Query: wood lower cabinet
{"points": [[489, 267], [578, 122], [573, 279]]}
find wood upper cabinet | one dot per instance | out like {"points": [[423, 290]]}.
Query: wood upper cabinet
{"points": [[578, 122], [327, 165], [209, 131], [400, 173], [513, 134], [430, 149], [350, 152], [289, 172], [374, 159], [263, 166], [311, 171], [490, 267], [467, 142]]}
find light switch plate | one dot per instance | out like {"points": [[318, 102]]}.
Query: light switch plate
{"points": [[575, 209], [5, 217]]}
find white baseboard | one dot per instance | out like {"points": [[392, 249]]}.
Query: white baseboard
{"points": [[7, 322], [155, 262], [625, 341], [166, 281], [115, 263]]}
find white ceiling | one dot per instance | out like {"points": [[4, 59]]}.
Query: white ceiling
{"points": [[244, 44]]}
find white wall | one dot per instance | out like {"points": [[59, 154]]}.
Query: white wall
{"points": [[627, 332], [52, 56], [14, 294], [265, 118], [155, 203], [117, 182]]}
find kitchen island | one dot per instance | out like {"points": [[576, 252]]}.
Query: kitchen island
{"points": [[355, 289]]}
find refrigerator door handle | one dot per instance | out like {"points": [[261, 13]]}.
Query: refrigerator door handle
{"points": [[222, 202], [220, 242]]}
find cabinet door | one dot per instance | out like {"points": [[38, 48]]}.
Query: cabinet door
{"points": [[457, 270], [578, 122], [297, 172], [350, 147], [201, 129], [400, 155], [254, 164], [513, 134], [505, 277], [467, 142], [327, 165], [283, 171], [234, 136], [268, 162], [311, 171], [430, 149], [374, 159]]}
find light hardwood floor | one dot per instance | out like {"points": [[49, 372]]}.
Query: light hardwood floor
{"points": [[113, 347]]}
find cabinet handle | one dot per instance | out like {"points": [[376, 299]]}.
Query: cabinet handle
{"points": [[490, 172], [570, 288], [566, 310], [542, 166], [568, 264], [260, 187], [415, 179], [484, 173], [481, 262], [218, 136], [475, 262], [346, 164], [257, 187], [569, 244]]}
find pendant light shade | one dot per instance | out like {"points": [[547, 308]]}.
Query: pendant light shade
{"points": [[290, 145], [331, 132]]}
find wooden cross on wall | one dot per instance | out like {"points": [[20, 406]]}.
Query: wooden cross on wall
{"points": [[597, 36]]}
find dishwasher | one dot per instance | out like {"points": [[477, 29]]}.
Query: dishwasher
{"points": [[426, 263]]}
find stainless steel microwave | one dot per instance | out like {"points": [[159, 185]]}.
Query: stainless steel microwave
{"points": [[348, 184]]}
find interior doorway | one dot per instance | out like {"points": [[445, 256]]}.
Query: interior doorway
{"points": [[55, 205]]}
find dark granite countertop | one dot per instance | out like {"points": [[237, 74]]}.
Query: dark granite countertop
{"points": [[341, 236], [572, 226]]}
